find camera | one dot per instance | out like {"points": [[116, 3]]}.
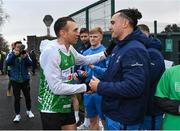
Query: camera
{"points": [[22, 49]]}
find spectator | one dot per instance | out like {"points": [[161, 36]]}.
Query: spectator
{"points": [[92, 101], [19, 62], [2, 58], [34, 61], [153, 116], [84, 45], [84, 37], [167, 97], [9, 90]]}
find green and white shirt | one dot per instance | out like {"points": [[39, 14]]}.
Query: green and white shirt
{"points": [[57, 72], [169, 87]]}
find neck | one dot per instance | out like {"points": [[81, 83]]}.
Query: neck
{"points": [[125, 34], [95, 46], [86, 44], [62, 41]]}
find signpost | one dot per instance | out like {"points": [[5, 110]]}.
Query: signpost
{"points": [[48, 21]]}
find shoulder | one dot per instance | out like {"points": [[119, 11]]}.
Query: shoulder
{"points": [[174, 69], [135, 46], [155, 53], [49, 53], [102, 46], [86, 51]]}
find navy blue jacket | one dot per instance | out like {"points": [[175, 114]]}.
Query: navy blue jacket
{"points": [[83, 48], [125, 84], [18, 66], [157, 68]]}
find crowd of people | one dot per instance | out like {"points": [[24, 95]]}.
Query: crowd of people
{"points": [[123, 86]]}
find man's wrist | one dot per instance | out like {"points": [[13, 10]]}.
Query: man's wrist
{"points": [[88, 88]]}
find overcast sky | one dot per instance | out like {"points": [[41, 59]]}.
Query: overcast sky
{"points": [[26, 16], [164, 11]]}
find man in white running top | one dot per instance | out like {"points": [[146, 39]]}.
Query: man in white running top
{"points": [[57, 62]]}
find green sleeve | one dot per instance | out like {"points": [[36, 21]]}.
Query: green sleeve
{"points": [[163, 86]]}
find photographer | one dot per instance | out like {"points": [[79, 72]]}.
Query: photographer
{"points": [[18, 60]]}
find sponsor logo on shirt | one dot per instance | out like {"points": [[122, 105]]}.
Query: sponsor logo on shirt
{"points": [[177, 86], [137, 64]]}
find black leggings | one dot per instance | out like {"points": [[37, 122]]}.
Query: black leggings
{"points": [[17, 87]]}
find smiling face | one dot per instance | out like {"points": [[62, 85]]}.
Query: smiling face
{"points": [[95, 39], [96, 36]]}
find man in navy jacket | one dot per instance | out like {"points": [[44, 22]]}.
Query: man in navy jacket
{"points": [[125, 84], [153, 116], [18, 60]]}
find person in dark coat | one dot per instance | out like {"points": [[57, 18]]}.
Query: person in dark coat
{"points": [[154, 115], [19, 76], [34, 61], [125, 84], [2, 58]]}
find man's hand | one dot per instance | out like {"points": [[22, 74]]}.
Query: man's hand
{"points": [[94, 83], [84, 74], [91, 66], [89, 92]]}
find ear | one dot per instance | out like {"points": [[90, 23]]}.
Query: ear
{"points": [[62, 33], [101, 36], [125, 23]]}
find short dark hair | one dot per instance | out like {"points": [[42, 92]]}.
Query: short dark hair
{"points": [[84, 30], [131, 14], [61, 23], [17, 42], [144, 27]]}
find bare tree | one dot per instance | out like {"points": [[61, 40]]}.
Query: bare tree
{"points": [[3, 44], [3, 17]]}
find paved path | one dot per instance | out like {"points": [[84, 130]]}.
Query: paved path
{"points": [[7, 110]]}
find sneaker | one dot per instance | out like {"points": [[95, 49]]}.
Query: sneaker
{"points": [[83, 127], [29, 114], [101, 128], [17, 119], [77, 119], [21, 96]]}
